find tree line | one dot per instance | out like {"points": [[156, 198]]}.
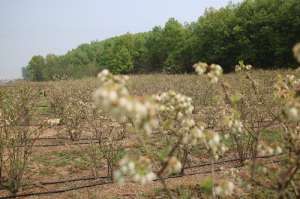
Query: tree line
{"points": [[259, 32]]}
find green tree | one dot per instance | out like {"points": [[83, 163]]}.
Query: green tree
{"points": [[36, 68], [260, 32]]}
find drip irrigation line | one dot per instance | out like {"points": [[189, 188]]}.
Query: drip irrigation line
{"points": [[230, 160], [64, 138], [207, 172], [34, 185], [56, 191], [111, 182], [72, 180], [106, 177]]}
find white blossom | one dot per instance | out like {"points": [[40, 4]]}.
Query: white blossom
{"points": [[174, 165], [53, 122], [225, 189], [296, 51], [242, 67], [139, 171], [292, 113], [114, 98], [213, 71]]}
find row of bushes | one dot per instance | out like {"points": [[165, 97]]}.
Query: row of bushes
{"points": [[260, 32]]}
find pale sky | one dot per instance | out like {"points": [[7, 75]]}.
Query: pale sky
{"points": [[40, 27]]}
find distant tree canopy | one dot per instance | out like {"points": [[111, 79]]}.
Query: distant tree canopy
{"points": [[260, 32]]}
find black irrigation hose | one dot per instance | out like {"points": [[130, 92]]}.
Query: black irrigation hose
{"points": [[64, 138], [110, 182], [67, 138], [189, 167], [56, 191], [72, 180], [63, 144], [72, 144], [206, 172], [63, 181], [57, 145], [105, 177], [230, 160], [77, 142], [87, 186]]}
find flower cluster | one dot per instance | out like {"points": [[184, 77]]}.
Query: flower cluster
{"points": [[296, 51], [234, 124], [174, 165], [106, 77], [173, 108], [287, 90], [292, 112], [175, 113], [242, 67], [225, 188], [214, 143], [114, 97], [174, 105], [193, 134], [295, 136], [235, 175], [213, 71], [286, 87], [291, 81], [266, 149], [139, 171], [53, 122]]}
